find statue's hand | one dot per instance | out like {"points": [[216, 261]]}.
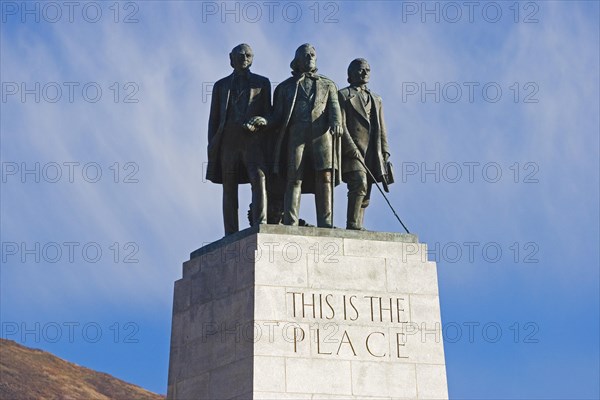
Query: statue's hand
{"points": [[337, 130], [257, 121], [249, 127], [386, 157]]}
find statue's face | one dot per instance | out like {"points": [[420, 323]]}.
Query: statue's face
{"points": [[360, 74], [306, 59], [241, 58]]}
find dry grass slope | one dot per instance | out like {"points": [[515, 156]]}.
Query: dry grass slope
{"points": [[35, 374]]}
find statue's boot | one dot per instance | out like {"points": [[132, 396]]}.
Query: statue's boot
{"points": [[274, 209], [230, 207], [355, 213], [362, 217], [291, 203], [323, 205], [259, 201]]}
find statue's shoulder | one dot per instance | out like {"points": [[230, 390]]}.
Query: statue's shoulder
{"points": [[345, 92], [327, 81], [262, 80], [223, 81], [286, 84], [376, 96], [222, 84]]}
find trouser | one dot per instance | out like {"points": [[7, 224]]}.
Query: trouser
{"points": [[275, 193], [240, 150], [230, 202], [359, 195], [301, 155], [323, 199]]}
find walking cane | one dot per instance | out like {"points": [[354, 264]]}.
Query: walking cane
{"points": [[383, 194], [362, 161], [333, 152]]}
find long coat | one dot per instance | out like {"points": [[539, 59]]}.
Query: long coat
{"points": [[364, 132], [259, 104], [325, 113]]}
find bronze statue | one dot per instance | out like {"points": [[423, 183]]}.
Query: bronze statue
{"points": [[307, 116], [235, 147], [364, 144]]}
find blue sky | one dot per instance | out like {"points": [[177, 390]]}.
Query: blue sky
{"points": [[499, 101]]}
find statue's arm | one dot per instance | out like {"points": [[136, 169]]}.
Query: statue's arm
{"points": [[335, 113], [259, 121], [267, 99], [274, 119], [385, 149], [215, 113], [349, 148]]}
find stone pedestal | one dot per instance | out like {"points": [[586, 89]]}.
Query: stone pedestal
{"points": [[279, 312]]}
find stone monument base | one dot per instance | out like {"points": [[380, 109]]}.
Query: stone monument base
{"points": [[281, 312]]}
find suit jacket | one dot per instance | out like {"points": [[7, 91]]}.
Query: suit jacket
{"points": [[325, 113], [363, 131], [259, 103]]}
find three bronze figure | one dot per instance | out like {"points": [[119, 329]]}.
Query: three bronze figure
{"points": [[310, 139]]}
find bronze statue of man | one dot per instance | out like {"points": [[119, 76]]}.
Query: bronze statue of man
{"points": [[364, 144], [306, 116], [235, 148]]}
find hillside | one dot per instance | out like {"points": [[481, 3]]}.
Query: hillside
{"points": [[35, 374]]}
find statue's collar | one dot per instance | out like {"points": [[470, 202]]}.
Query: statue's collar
{"points": [[359, 88], [245, 73], [301, 75]]}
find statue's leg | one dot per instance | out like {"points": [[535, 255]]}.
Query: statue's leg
{"points": [[229, 165], [291, 202], [259, 194], [230, 203], [366, 200], [293, 189], [323, 198], [255, 167], [357, 190], [275, 193]]}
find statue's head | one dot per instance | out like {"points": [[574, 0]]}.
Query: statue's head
{"points": [[359, 72], [241, 57], [305, 59]]}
